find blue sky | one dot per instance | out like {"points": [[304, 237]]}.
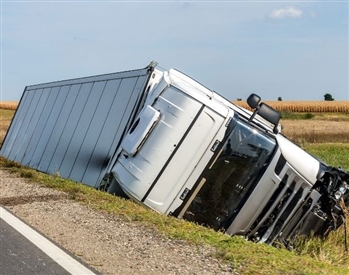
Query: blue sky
{"points": [[297, 50]]}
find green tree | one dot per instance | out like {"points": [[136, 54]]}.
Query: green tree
{"points": [[328, 97]]}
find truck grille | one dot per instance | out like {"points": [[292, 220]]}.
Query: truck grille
{"points": [[283, 214]]}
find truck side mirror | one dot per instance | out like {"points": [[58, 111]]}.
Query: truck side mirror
{"points": [[270, 115], [253, 100], [264, 110]]}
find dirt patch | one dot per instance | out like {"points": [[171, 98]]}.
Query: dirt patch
{"points": [[12, 201]]}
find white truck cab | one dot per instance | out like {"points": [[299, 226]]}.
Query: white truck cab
{"points": [[197, 156]]}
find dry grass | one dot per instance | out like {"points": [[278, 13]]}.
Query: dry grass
{"points": [[7, 109], [316, 131], [5, 120], [8, 105], [305, 106]]}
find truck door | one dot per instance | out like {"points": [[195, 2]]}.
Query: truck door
{"points": [[156, 172]]}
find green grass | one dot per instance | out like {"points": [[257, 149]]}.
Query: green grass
{"points": [[293, 115], [315, 116], [245, 257], [334, 154]]}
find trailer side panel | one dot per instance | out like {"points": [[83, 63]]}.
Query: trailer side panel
{"points": [[72, 128]]}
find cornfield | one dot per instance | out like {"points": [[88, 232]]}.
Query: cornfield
{"points": [[8, 105], [291, 106], [305, 106]]}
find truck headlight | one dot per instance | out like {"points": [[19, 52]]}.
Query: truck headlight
{"points": [[338, 195], [343, 188]]}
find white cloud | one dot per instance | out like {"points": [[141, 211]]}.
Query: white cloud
{"points": [[291, 12]]}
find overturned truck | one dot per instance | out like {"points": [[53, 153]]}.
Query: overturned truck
{"points": [[166, 141]]}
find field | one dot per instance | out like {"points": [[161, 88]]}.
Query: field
{"points": [[312, 122], [324, 134], [5, 120], [305, 106], [8, 105], [321, 128]]}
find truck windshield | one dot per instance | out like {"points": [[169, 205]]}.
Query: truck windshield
{"points": [[243, 158]]}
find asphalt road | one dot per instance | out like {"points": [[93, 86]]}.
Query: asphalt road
{"points": [[23, 251]]}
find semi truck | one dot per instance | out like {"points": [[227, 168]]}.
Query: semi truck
{"points": [[168, 142]]}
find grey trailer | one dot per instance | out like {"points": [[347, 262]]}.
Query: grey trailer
{"points": [[72, 128]]}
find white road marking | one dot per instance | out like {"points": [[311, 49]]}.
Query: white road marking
{"points": [[54, 252]]}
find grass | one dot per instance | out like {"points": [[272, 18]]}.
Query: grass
{"points": [[8, 105], [5, 119], [305, 128], [335, 154], [314, 116], [6, 115], [293, 115]]}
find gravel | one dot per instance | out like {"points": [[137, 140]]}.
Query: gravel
{"points": [[106, 242]]}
